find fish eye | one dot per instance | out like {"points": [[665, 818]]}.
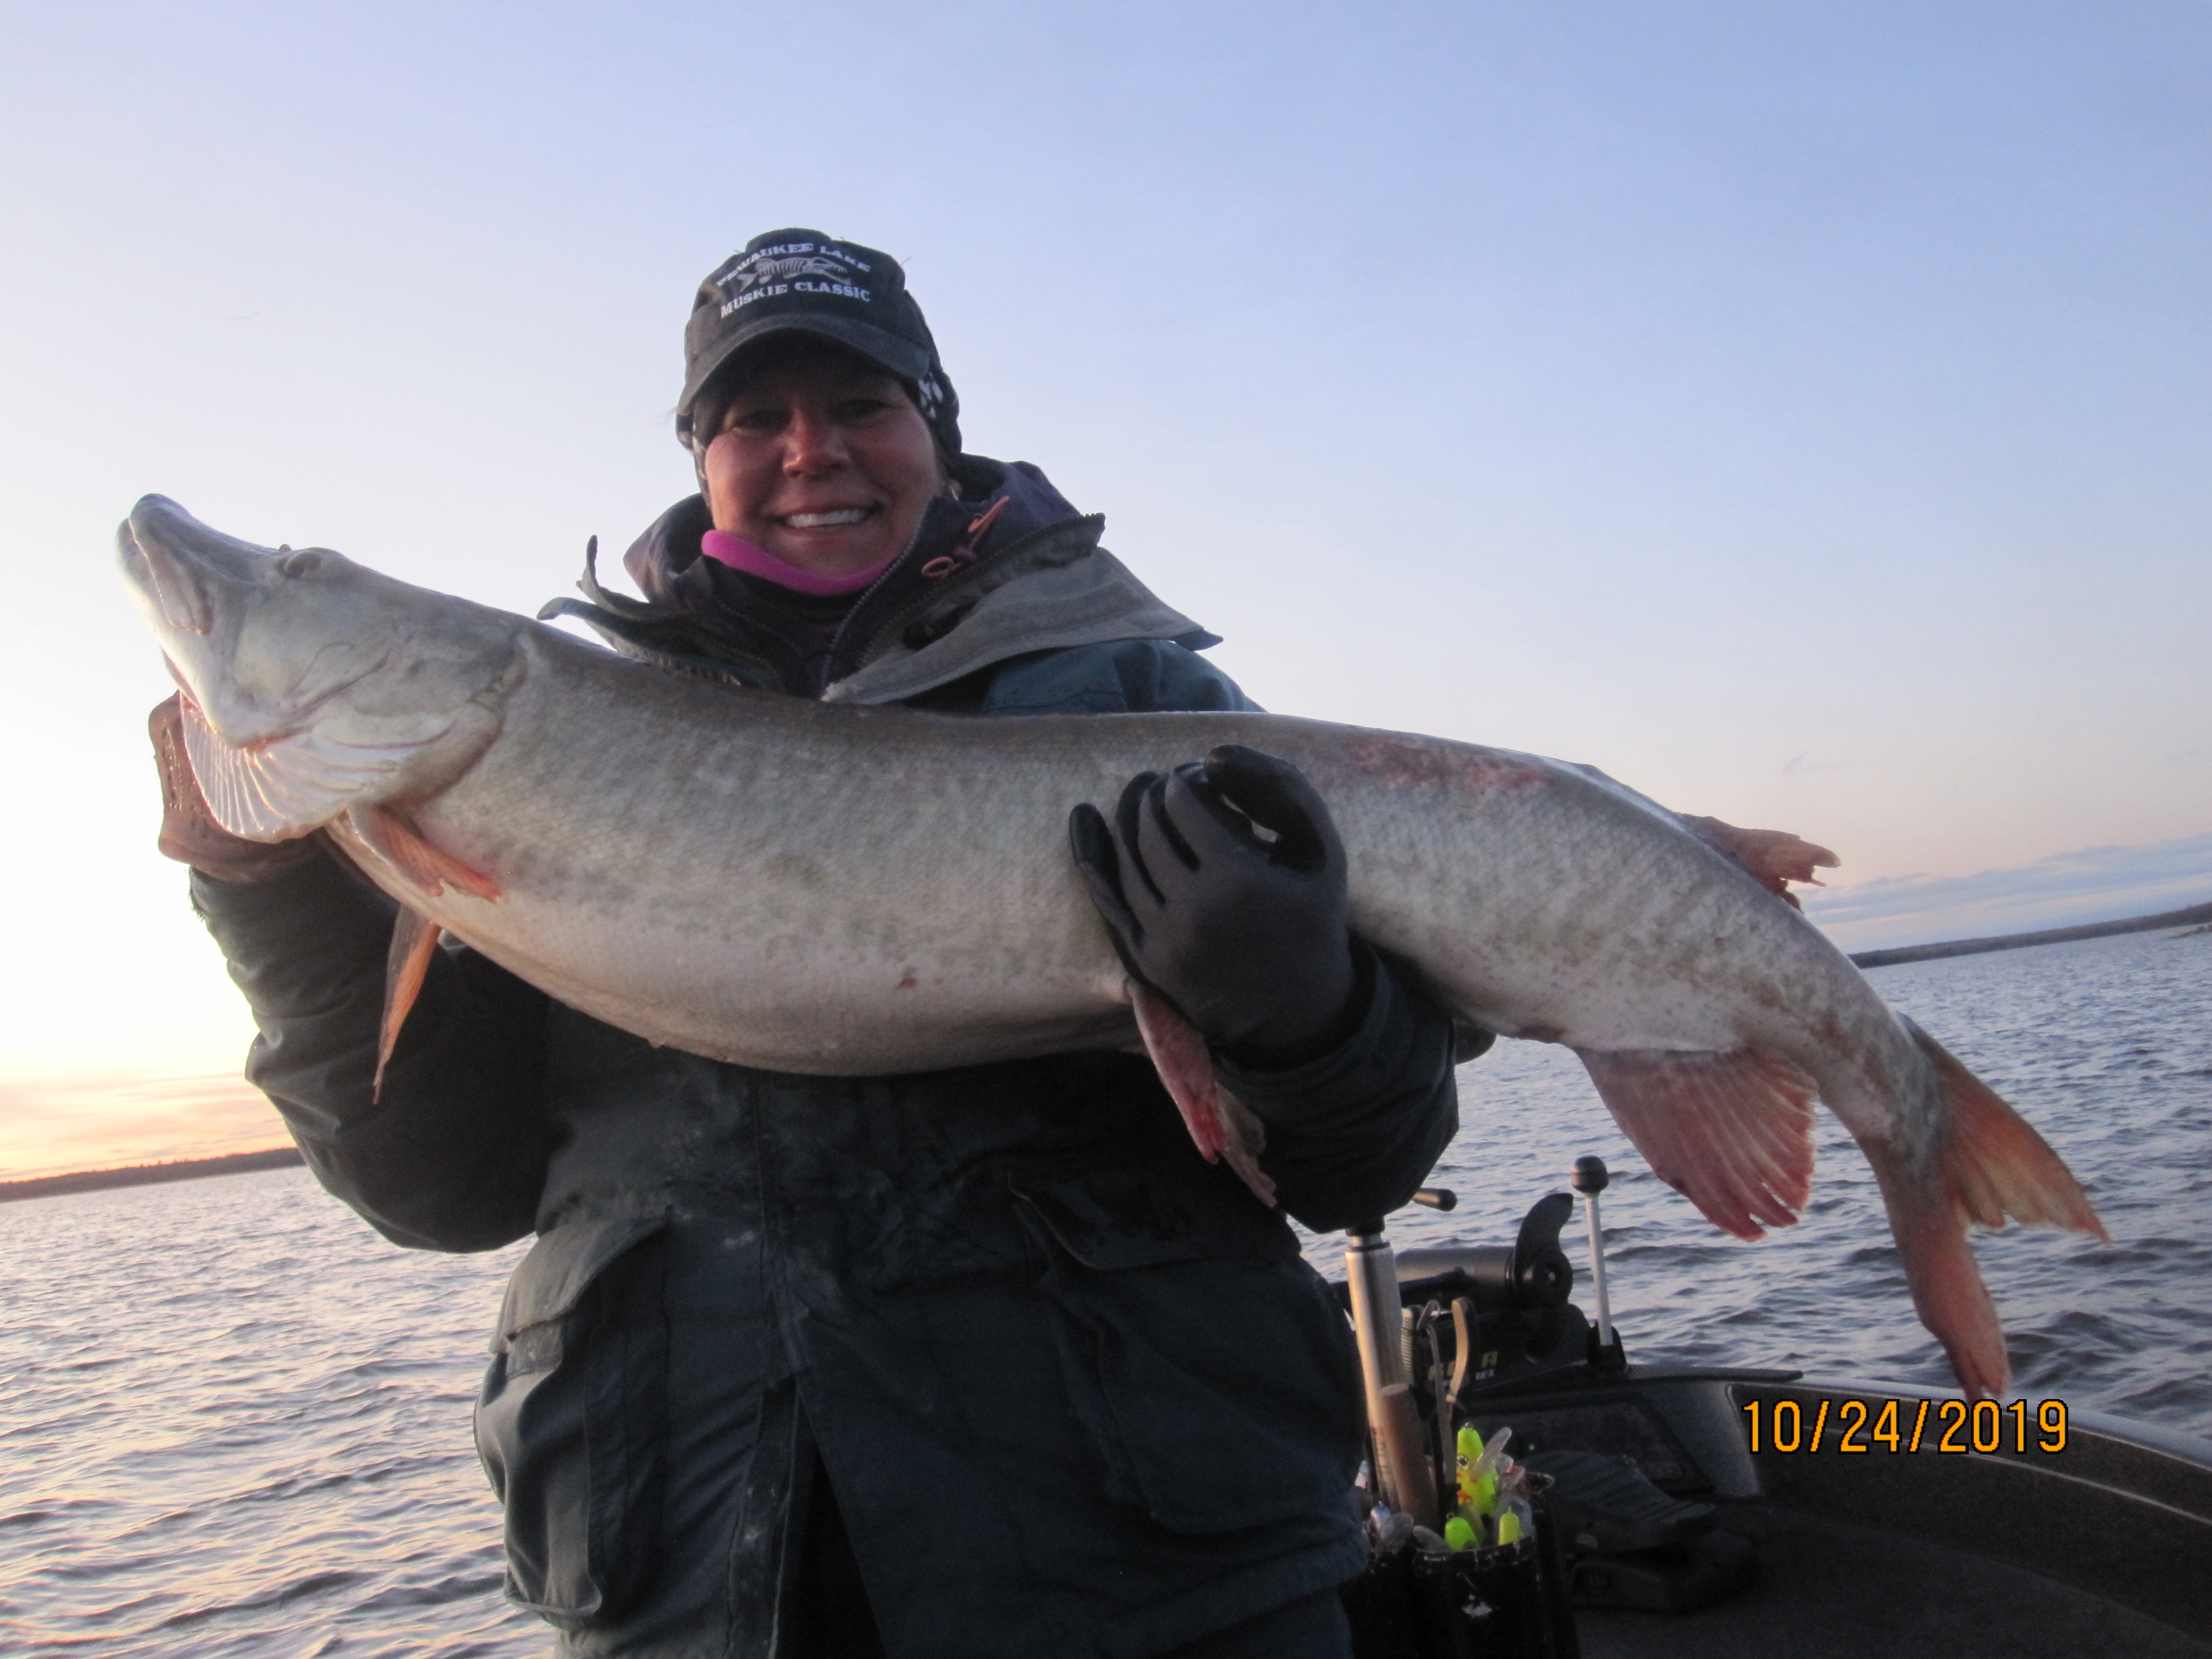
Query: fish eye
{"points": [[300, 564]]}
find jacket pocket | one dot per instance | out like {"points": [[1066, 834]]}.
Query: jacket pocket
{"points": [[571, 1425], [1220, 1383]]}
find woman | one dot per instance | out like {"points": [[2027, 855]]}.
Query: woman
{"points": [[985, 1361]]}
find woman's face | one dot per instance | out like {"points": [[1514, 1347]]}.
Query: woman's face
{"points": [[820, 457]]}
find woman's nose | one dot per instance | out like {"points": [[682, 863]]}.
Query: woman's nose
{"points": [[813, 443]]}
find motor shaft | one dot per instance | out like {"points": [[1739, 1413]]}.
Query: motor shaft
{"points": [[1590, 1179], [1402, 1477]]}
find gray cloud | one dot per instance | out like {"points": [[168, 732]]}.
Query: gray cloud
{"points": [[2099, 883]]}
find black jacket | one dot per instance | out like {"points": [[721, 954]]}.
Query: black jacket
{"points": [[1075, 1390]]}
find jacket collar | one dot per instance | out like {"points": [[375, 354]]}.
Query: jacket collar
{"points": [[1008, 569]]}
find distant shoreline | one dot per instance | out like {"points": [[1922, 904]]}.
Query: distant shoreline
{"points": [[144, 1174], [2195, 916]]}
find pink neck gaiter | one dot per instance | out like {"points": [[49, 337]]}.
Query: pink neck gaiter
{"points": [[753, 560]]}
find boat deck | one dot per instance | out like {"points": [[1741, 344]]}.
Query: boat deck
{"points": [[1833, 1589]]}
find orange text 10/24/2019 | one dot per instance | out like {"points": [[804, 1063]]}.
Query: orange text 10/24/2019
{"points": [[1902, 1426]]}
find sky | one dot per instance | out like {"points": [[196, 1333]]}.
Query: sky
{"points": [[1800, 411]]}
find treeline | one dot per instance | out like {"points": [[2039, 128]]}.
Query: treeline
{"points": [[141, 1174], [2193, 915]]}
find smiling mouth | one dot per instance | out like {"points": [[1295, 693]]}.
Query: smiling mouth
{"points": [[837, 520]]}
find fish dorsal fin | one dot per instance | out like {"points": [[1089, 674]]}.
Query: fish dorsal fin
{"points": [[1772, 858], [1224, 1126], [414, 943], [394, 838], [1731, 1132]]}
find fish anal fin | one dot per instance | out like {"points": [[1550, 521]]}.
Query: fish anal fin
{"points": [[1730, 1131], [414, 942], [397, 839], [1223, 1126], [1772, 858]]}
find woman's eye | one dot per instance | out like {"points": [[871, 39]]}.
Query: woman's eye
{"points": [[852, 410]]}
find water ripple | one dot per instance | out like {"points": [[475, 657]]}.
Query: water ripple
{"points": [[234, 1423]]}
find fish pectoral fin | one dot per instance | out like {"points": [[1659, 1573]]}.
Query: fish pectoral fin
{"points": [[1772, 858], [395, 838], [414, 942], [1731, 1131], [1224, 1126], [286, 787], [1245, 1138]]}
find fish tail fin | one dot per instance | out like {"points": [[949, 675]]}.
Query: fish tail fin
{"points": [[1948, 1293], [1992, 1161], [1224, 1128], [1730, 1131], [1988, 1164], [406, 964]]}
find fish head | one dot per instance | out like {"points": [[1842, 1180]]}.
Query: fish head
{"points": [[312, 684]]}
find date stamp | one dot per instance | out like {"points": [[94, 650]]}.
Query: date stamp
{"points": [[1900, 1425]]}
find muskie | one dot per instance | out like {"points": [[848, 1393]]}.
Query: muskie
{"points": [[834, 889]]}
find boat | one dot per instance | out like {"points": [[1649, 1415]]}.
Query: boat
{"points": [[1734, 1513]]}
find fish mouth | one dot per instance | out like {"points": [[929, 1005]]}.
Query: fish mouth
{"points": [[181, 565]]}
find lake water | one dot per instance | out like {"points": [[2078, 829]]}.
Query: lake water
{"points": [[233, 1422]]}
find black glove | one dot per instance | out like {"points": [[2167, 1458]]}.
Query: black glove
{"points": [[1223, 883]]}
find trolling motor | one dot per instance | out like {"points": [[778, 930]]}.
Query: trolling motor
{"points": [[1466, 1555], [1532, 1272], [1471, 1314], [1480, 1346], [1438, 1327]]}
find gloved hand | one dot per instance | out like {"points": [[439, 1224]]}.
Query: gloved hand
{"points": [[190, 834], [1223, 883]]}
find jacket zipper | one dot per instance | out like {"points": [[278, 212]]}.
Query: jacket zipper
{"points": [[937, 592]]}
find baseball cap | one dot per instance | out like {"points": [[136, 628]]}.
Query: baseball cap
{"points": [[801, 281]]}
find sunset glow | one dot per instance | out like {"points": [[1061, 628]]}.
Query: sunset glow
{"points": [[1798, 413], [99, 1120]]}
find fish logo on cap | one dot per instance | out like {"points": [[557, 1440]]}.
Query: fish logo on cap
{"points": [[792, 267]]}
